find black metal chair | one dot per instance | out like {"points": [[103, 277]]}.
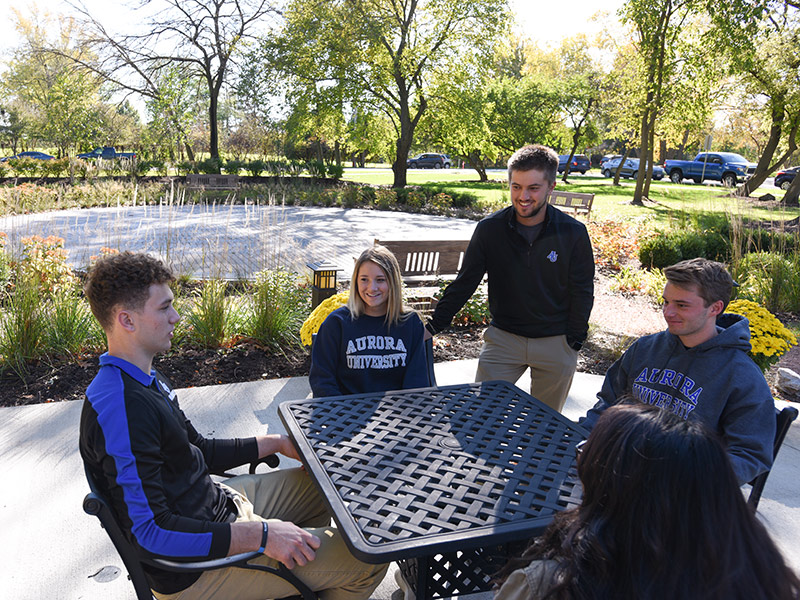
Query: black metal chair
{"points": [[784, 421], [96, 504]]}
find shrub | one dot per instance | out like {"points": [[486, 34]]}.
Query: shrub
{"points": [[616, 243], [44, 263], [335, 171], [3, 169], [232, 167], [209, 166], [185, 167], [475, 311], [441, 202], [5, 262], [415, 198], [159, 166], [255, 167], [660, 251], [316, 168], [768, 337], [691, 244], [26, 167], [56, 167], [385, 198]]}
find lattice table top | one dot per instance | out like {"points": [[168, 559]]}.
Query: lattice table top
{"points": [[418, 472]]}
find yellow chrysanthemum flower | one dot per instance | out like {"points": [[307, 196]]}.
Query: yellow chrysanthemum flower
{"points": [[312, 324], [769, 338]]}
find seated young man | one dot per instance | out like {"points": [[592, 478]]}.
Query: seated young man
{"points": [[699, 367], [154, 466]]}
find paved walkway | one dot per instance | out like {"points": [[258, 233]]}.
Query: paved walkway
{"points": [[231, 240], [52, 550]]}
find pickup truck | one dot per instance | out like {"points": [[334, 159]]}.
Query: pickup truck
{"points": [[106, 152], [727, 167]]}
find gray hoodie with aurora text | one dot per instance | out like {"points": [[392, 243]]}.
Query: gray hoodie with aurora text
{"points": [[715, 382]]}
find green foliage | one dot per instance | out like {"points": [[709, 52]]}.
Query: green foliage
{"points": [[232, 167], [185, 167], [316, 168], [209, 166], [208, 315], [660, 251], [279, 306], [476, 309], [22, 327], [769, 279], [26, 167], [385, 198], [255, 167], [71, 329], [335, 171]]}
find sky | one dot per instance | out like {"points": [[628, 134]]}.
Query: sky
{"points": [[544, 22]]}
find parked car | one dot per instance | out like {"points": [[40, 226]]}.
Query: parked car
{"points": [[629, 169], [784, 177], [28, 154], [429, 160], [727, 167], [106, 152], [580, 163], [608, 157]]}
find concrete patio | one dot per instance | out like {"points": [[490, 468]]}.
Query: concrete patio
{"points": [[53, 550]]}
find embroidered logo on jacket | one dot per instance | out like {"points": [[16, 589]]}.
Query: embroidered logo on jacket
{"points": [[553, 256]]}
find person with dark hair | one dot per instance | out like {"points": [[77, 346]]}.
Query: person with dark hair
{"points": [[375, 343], [540, 268], [699, 367], [153, 465], [661, 517]]}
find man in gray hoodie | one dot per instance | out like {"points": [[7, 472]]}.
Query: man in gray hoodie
{"points": [[699, 367]]}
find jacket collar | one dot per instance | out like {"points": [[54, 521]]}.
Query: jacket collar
{"points": [[127, 367]]}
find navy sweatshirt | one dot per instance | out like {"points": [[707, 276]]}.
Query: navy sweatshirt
{"points": [[354, 356], [154, 467], [715, 382]]}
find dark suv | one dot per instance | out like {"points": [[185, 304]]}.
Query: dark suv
{"points": [[580, 163], [429, 160], [784, 177]]}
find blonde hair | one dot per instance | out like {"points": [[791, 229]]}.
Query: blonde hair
{"points": [[383, 257]]}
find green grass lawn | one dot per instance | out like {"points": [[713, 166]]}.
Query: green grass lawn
{"points": [[669, 202]]}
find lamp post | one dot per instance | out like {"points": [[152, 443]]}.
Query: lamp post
{"points": [[324, 282]]}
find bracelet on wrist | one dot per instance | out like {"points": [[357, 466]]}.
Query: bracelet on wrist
{"points": [[264, 534]]}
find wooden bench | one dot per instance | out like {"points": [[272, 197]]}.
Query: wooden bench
{"points": [[424, 262], [212, 182], [579, 203]]}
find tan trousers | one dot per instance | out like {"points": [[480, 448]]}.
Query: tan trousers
{"points": [[287, 495], [552, 362]]}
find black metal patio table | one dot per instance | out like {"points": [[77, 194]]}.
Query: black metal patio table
{"points": [[440, 479]]}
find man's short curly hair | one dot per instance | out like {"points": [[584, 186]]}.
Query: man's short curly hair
{"points": [[122, 279], [535, 156]]}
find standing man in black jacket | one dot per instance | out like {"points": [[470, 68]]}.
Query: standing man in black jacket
{"points": [[541, 283]]}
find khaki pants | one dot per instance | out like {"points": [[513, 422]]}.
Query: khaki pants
{"points": [[552, 362], [287, 495]]}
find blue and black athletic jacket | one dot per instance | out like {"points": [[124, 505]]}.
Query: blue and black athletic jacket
{"points": [[153, 465]]}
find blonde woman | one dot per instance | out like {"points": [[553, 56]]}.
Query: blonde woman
{"points": [[375, 343]]}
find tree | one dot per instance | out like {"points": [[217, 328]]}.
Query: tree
{"points": [[198, 38], [385, 52], [657, 25], [762, 40], [61, 99]]}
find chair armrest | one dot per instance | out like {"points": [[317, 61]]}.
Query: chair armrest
{"points": [[205, 565]]}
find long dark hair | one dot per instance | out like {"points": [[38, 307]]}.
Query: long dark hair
{"points": [[662, 517]]}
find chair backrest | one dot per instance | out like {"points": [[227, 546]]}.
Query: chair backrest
{"points": [[784, 421], [96, 504]]}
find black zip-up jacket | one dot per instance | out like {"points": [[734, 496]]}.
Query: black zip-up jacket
{"points": [[535, 290], [153, 466]]}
